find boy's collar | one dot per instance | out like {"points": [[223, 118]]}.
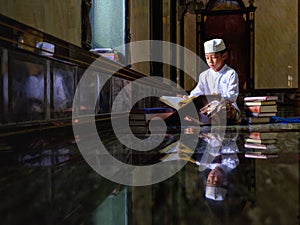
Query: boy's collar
{"points": [[222, 70]]}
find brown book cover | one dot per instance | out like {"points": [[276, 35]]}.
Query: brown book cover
{"points": [[252, 120]]}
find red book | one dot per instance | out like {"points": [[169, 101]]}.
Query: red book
{"points": [[263, 135], [261, 108]]}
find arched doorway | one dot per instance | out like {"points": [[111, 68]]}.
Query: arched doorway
{"points": [[233, 22]]}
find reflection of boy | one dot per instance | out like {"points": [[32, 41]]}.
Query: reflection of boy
{"points": [[219, 158], [217, 180], [216, 184], [219, 79], [60, 98], [226, 195], [34, 87]]}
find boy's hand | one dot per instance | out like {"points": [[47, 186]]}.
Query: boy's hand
{"points": [[212, 108], [182, 96]]}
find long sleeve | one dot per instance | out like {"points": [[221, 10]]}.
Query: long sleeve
{"points": [[231, 91], [198, 90]]}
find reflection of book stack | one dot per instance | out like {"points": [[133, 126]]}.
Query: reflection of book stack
{"points": [[140, 117], [261, 145], [261, 155], [259, 109]]}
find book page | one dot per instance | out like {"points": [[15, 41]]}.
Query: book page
{"points": [[174, 101]]}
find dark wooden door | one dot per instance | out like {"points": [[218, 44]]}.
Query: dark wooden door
{"points": [[233, 29]]}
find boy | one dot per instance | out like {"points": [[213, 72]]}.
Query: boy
{"points": [[218, 79]]}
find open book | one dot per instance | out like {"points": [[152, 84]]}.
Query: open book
{"points": [[184, 106], [179, 102], [175, 101]]}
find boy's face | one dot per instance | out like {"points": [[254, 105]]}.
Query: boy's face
{"points": [[215, 60]]}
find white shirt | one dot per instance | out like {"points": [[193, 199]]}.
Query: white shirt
{"points": [[224, 82]]}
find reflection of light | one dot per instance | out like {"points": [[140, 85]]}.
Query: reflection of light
{"points": [[290, 81], [83, 107], [290, 77], [191, 130]]}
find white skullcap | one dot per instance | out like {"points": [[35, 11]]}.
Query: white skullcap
{"points": [[215, 193], [214, 45]]}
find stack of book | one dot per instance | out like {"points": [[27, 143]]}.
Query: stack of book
{"points": [[261, 145], [260, 109], [139, 117]]}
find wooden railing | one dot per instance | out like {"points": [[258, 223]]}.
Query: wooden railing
{"points": [[39, 88]]}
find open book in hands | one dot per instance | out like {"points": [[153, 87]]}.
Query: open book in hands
{"points": [[206, 104]]}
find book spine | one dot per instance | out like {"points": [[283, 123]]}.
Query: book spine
{"points": [[260, 103], [261, 98], [260, 156], [258, 120], [152, 110], [160, 115], [256, 146], [257, 98]]}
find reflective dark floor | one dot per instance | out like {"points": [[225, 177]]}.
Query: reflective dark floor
{"points": [[44, 179]]}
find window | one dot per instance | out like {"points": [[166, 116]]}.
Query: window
{"points": [[108, 24]]}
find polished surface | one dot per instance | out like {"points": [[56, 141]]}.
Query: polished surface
{"points": [[45, 180]]}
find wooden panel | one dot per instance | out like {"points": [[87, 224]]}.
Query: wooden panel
{"points": [[59, 18], [190, 43], [276, 43], [140, 28]]}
